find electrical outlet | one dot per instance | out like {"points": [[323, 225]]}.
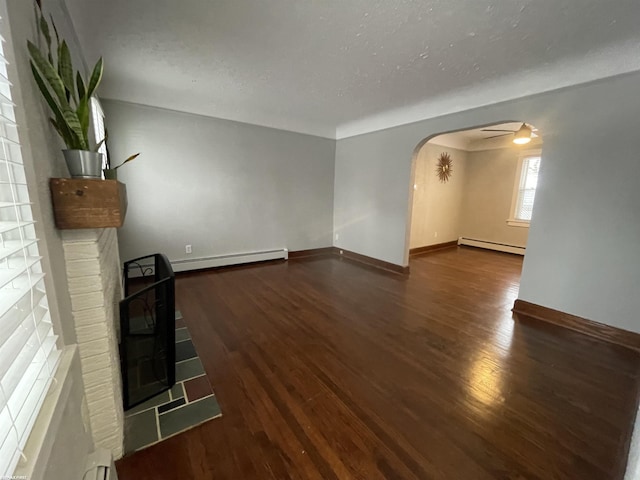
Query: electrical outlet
{"points": [[187, 248], [337, 236], [435, 234]]}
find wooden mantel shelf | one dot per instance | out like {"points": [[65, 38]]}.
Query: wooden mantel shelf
{"points": [[88, 203]]}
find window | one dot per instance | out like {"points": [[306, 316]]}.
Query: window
{"points": [[28, 351], [525, 189], [99, 130]]}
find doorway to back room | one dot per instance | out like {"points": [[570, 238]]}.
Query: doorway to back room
{"points": [[477, 188]]}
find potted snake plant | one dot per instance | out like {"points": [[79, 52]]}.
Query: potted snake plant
{"points": [[68, 96]]}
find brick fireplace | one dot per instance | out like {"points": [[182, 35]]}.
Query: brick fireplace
{"points": [[93, 270]]}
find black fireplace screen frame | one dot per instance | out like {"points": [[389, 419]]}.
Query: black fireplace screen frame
{"points": [[147, 329]]}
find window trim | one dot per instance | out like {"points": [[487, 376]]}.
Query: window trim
{"points": [[512, 221]]}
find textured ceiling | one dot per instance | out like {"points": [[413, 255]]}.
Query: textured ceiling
{"points": [[344, 67]]}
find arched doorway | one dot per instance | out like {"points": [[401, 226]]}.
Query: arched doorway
{"points": [[474, 187]]}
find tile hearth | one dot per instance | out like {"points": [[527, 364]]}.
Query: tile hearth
{"points": [[189, 403]]}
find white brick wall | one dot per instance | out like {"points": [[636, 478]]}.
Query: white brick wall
{"points": [[93, 270]]}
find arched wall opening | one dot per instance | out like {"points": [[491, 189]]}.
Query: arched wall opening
{"points": [[467, 186]]}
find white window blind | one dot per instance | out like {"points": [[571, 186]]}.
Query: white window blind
{"points": [[527, 188], [28, 351]]}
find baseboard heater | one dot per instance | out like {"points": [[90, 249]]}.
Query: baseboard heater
{"points": [[220, 261], [500, 247], [100, 466]]}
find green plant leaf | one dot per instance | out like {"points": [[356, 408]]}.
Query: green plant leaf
{"points": [[65, 69], [83, 112], [96, 77], [100, 144], [36, 12], [44, 29], [57, 127], [55, 30], [49, 74], [60, 124], [132, 157], [59, 54], [71, 118], [106, 137], [45, 91], [81, 89]]}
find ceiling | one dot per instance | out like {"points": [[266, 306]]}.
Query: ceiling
{"points": [[477, 139], [337, 68]]}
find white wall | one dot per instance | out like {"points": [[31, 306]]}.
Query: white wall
{"points": [[221, 186], [582, 255], [437, 207], [371, 197], [582, 251], [488, 194]]}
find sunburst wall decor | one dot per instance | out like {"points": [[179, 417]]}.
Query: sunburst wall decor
{"points": [[445, 167]]}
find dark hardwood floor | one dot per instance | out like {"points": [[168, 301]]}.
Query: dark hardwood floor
{"points": [[328, 370]]}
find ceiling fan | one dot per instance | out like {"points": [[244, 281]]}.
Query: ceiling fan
{"points": [[521, 136]]}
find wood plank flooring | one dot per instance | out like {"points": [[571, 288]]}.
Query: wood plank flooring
{"points": [[325, 369]]}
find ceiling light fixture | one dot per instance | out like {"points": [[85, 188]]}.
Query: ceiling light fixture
{"points": [[523, 135]]}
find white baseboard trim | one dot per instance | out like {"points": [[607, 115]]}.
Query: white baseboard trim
{"points": [[500, 247]]}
